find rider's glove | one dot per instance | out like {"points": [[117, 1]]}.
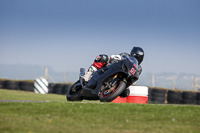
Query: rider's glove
{"points": [[115, 58]]}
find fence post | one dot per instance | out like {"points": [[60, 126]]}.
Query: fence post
{"points": [[195, 84], [153, 81], [174, 82], [46, 72], [46, 76]]}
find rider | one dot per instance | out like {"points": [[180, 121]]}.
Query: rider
{"points": [[102, 60]]}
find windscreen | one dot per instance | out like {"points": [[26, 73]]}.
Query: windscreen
{"points": [[133, 60]]}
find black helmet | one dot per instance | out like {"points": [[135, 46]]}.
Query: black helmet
{"points": [[138, 53]]}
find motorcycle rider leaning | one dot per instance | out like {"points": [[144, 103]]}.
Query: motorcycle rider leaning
{"points": [[102, 60]]}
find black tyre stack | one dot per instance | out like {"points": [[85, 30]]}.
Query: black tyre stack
{"points": [[149, 95], [189, 97], [157, 96], [2, 84], [51, 87], [58, 88], [11, 85], [198, 98], [26, 86], [174, 97]]}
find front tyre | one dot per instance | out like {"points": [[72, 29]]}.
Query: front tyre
{"points": [[108, 95], [73, 93]]}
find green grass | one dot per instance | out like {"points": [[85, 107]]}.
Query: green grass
{"points": [[92, 117], [29, 96]]}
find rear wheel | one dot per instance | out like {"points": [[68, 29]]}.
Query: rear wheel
{"points": [[110, 92], [73, 93]]}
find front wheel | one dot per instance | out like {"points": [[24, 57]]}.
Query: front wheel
{"points": [[73, 93], [109, 94]]}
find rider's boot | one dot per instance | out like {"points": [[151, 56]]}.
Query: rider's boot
{"points": [[125, 93], [89, 73]]}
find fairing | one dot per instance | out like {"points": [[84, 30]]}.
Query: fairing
{"points": [[127, 67]]}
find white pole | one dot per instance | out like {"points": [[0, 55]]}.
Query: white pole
{"points": [[153, 81], [46, 72], [195, 84], [46, 76], [174, 82], [64, 75]]}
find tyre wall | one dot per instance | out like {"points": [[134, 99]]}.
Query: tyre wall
{"points": [[11, 85], [54, 88], [26, 86], [2, 84], [60, 88], [174, 97], [198, 98], [189, 97], [155, 95], [163, 96]]}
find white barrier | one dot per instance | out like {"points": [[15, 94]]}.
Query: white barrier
{"points": [[41, 86], [138, 94], [138, 91]]}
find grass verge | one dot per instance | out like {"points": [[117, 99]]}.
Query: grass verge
{"points": [[93, 117], [29, 96]]}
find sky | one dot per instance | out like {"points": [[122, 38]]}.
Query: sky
{"points": [[68, 34]]}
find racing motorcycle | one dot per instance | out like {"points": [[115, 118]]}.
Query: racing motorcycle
{"points": [[107, 83]]}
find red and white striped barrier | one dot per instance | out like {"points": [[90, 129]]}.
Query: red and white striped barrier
{"points": [[138, 94]]}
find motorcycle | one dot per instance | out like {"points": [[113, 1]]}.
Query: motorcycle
{"points": [[107, 83]]}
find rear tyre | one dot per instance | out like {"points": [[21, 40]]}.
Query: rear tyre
{"points": [[73, 93], [108, 95], [125, 93]]}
